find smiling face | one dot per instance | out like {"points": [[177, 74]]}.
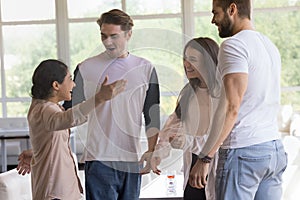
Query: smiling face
{"points": [[64, 90], [115, 40], [222, 20], [193, 63]]}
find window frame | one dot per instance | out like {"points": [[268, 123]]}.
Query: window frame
{"points": [[62, 22]]}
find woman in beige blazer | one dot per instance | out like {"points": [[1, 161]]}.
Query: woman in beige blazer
{"points": [[53, 171]]}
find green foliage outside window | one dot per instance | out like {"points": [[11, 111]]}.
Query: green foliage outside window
{"points": [[26, 45], [281, 26], [283, 29]]}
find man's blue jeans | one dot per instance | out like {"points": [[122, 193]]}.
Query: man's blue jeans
{"points": [[253, 172], [112, 180]]}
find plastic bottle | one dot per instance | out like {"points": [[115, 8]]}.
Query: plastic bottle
{"points": [[171, 182]]}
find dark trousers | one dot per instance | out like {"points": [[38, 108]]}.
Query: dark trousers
{"points": [[191, 193]]}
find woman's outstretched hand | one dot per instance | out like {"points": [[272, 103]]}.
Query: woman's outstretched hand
{"points": [[109, 91]]}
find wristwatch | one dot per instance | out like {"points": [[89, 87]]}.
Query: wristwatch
{"points": [[205, 158]]}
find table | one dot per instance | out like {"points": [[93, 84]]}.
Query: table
{"points": [[156, 189], [11, 134]]}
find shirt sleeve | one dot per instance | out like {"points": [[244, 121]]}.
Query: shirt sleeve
{"points": [[77, 93], [151, 108], [233, 57], [55, 119]]}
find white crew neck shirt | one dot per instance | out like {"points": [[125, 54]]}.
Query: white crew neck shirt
{"points": [[253, 53]]}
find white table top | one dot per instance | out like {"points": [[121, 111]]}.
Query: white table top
{"points": [[157, 188]]}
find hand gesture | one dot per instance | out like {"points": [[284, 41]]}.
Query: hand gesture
{"points": [[155, 161], [198, 174], [146, 157], [177, 141], [24, 162], [109, 91]]}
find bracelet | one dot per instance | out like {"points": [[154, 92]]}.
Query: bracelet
{"points": [[205, 159]]}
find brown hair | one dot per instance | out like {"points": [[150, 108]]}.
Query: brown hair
{"points": [[116, 17], [209, 48], [243, 6]]}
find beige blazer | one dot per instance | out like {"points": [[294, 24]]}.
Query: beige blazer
{"points": [[53, 171]]}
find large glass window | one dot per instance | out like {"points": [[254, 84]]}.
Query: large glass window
{"points": [[282, 27], [202, 5], [28, 36], [25, 46], [146, 7], [15, 10], [275, 3], [32, 31], [90, 8]]}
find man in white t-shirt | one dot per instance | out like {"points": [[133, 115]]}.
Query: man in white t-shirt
{"points": [[113, 151], [251, 155]]}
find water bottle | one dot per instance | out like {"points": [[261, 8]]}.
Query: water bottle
{"points": [[171, 183]]}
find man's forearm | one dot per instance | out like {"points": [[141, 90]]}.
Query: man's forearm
{"points": [[152, 137]]}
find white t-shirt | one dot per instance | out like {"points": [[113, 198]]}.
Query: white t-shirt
{"points": [[253, 53], [114, 128]]}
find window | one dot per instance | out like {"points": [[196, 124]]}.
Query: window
{"points": [[278, 19], [26, 38], [90, 8], [160, 31], [283, 29]]}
